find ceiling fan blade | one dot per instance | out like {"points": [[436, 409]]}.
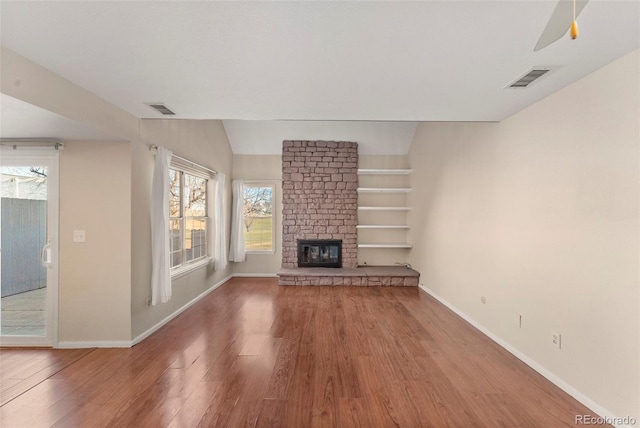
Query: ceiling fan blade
{"points": [[559, 23]]}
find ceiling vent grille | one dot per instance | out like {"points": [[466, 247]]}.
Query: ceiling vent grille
{"points": [[530, 77], [162, 109]]}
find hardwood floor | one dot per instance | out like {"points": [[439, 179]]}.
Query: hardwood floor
{"points": [[253, 353]]}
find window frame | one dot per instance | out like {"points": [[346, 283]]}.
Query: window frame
{"points": [[272, 185], [187, 266]]}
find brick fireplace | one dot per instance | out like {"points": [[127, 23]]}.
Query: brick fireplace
{"points": [[320, 198], [319, 208]]}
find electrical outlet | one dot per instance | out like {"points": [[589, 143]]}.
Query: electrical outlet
{"points": [[556, 339], [518, 320], [483, 299], [149, 302]]}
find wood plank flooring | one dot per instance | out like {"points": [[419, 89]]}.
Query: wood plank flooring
{"points": [[255, 354]]}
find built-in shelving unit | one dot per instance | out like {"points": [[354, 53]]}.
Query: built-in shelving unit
{"points": [[384, 189], [384, 208], [382, 226], [384, 171], [385, 246], [381, 230]]}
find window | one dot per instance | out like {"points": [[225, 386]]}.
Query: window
{"points": [[258, 217], [188, 217]]}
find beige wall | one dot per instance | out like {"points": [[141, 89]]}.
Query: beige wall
{"points": [[262, 167], [85, 300], [95, 276], [540, 214], [204, 142], [95, 195]]}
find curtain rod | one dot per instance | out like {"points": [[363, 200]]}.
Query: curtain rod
{"points": [[14, 143], [154, 147]]}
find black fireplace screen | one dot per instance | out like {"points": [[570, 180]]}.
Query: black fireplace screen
{"points": [[320, 253]]}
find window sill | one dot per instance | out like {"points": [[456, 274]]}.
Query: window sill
{"points": [[183, 270], [263, 252]]}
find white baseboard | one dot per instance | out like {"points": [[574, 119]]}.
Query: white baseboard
{"points": [[139, 338], [94, 344], [550, 376], [255, 275], [14, 342]]}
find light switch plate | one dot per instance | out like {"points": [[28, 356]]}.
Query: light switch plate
{"points": [[79, 236]]}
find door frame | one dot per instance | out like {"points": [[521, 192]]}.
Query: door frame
{"points": [[49, 157]]}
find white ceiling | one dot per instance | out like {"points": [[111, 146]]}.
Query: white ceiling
{"points": [[315, 61], [23, 120]]}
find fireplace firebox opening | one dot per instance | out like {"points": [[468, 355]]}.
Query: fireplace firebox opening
{"points": [[320, 253]]}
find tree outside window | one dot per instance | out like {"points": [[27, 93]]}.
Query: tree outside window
{"points": [[188, 217], [258, 217]]}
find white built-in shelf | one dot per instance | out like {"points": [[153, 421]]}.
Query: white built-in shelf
{"points": [[385, 246], [382, 226], [384, 171], [392, 228], [384, 189], [384, 208]]}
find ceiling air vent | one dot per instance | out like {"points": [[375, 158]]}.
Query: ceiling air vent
{"points": [[162, 109], [529, 78]]}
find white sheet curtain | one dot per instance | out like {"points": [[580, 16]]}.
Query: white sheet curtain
{"points": [[211, 222], [220, 246], [160, 249], [236, 247]]}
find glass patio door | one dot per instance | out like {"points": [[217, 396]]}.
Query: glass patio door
{"points": [[28, 246]]}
